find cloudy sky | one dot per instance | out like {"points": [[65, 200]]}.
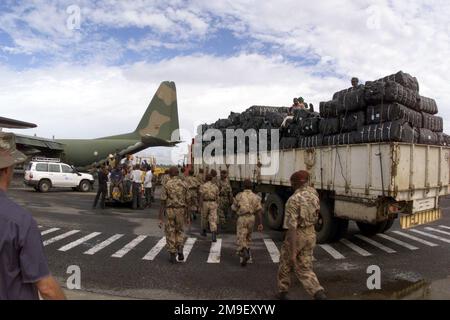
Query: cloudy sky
{"points": [[86, 69]]}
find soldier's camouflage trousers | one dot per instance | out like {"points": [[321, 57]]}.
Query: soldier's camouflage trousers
{"points": [[209, 214], [303, 268], [224, 205], [174, 228], [244, 229], [193, 200]]}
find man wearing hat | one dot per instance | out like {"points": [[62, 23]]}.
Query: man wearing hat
{"points": [[24, 273]]}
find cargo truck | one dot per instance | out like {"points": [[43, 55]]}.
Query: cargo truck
{"points": [[372, 184]]}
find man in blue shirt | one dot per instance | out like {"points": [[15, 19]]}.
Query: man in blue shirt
{"points": [[24, 273]]}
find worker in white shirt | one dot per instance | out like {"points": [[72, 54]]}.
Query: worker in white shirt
{"points": [[136, 178], [148, 186]]}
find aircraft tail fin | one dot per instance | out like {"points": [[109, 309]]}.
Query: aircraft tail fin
{"points": [[160, 119]]}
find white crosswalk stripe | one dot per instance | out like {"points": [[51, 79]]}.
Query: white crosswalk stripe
{"points": [[60, 237], [78, 242], [437, 230], [406, 235], [129, 247], [431, 235], [43, 233], [333, 252], [103, 244], [214, 252], [151, 255], [273, 250], [188, 245], [396, 241], [355, 248], [375, 244], [40, 227], [445, 227]]}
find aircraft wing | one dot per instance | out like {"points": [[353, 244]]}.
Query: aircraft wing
{"points": [[15, 124], [33, 145]]}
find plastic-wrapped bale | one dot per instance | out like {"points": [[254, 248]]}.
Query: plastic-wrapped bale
{"points": [[351, 101], [310, 142], [427, 136], [293, 130], [433, 123], [329, 126], [254, 123], [427, 105], [301, 114], [222, 123], [352, 121], [259, 111], [442, 139], [329, 109], [394, 131], [288, 143], [275, 118], [392, 112], [309, 126], [339, 139], [390, 91], [339, 94], [234, 118], [405, 79]]}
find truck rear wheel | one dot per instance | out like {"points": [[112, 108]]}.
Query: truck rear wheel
{"points": [[274, 208], [327, 225], [389, 224], [369, 229], [44, 186]]}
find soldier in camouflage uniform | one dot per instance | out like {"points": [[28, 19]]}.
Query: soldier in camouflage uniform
{"points": [[174, 202], [193, 185], [209, 196], [165, 177], [301, 214], [246, 205], [226, 198], [214, 179]]}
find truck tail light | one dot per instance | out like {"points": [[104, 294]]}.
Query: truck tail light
{"points": [[31, 176]]}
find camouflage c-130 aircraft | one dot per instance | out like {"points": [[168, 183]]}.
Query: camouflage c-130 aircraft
{"points": [[158, 127]]}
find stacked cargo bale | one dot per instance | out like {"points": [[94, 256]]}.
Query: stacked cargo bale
{"points": [[255, 117]]}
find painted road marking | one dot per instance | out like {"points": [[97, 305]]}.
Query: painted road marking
{"points": [[214, 252], [375, 244], [128, 247], [76, 243], [103, 244], [40, 227], [445, 227], [431, 236], [333, 252], [437, 230], [60, 237], [273, 250], [431, 244], [396, 241], [43, 233], [151, 255], [355, 248], [188, 245]]}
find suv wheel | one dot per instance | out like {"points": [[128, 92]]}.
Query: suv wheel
{"points": [[85, 186], [44, 186]]}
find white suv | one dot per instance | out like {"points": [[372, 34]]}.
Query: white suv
{"points": [[46, 174]]}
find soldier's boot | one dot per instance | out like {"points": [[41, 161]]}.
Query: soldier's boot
{"points": [[250, 259], [180, 254], [203, 233], [282, 295], [213, 235], [245, 256], [320, 295], [172, 258]]}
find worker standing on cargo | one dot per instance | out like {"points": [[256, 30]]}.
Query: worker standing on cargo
{"points": [[225, 198], [193, 185], [209, 196], [301, 214], [355, 83], [174, 196], [246, 205]]}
